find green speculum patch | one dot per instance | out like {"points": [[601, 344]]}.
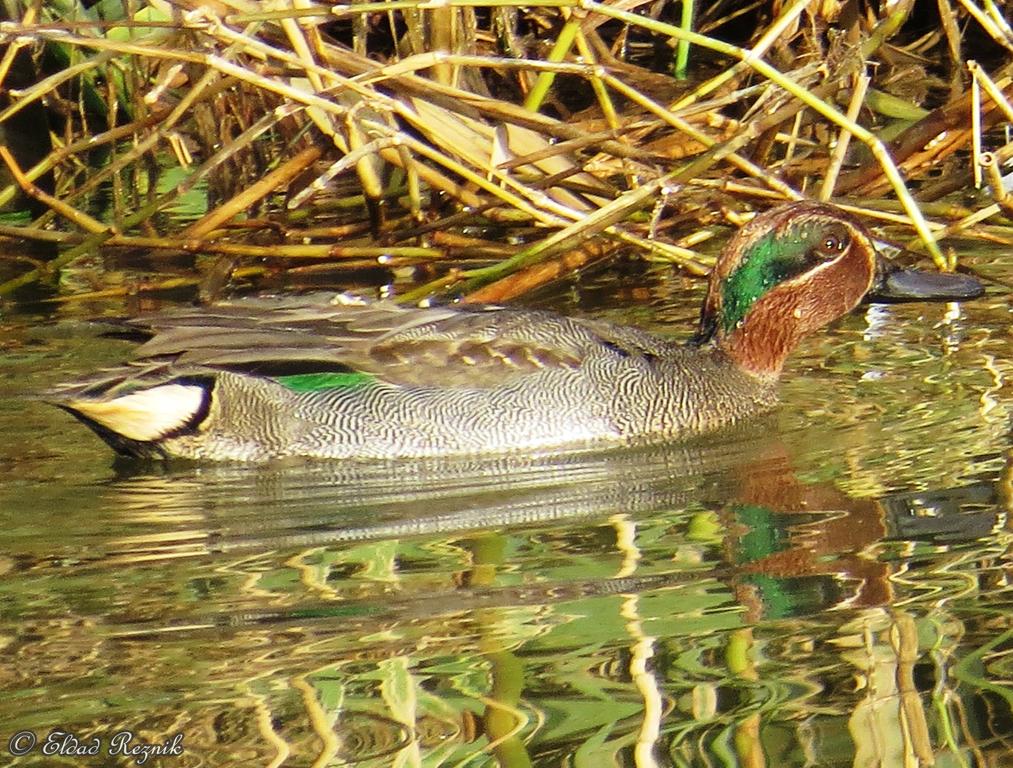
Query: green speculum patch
{"points": [[314, 382], [771, 261]]}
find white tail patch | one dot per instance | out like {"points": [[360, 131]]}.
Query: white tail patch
{"points": [[148, 414]]}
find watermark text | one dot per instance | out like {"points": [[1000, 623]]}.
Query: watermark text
{"points": [[66, 744]]}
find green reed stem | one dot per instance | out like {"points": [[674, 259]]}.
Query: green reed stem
{"points": [[682, 49]]}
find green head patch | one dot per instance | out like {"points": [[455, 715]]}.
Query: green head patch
{"points": [[775, 258]]}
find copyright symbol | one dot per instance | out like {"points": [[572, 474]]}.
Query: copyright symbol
{"points": [[21, 743]]}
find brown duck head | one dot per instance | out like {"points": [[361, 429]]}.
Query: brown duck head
{"points": [[791, 271]]}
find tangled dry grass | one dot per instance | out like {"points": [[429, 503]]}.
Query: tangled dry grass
{"points": [[500, 145]]}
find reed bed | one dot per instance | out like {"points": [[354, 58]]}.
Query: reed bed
{"points": [[487, 148]]}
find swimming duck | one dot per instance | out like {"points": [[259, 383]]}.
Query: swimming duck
{"points": [[315, 376]]}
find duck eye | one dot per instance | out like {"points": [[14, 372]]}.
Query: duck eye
{"points": [[833, 243]]}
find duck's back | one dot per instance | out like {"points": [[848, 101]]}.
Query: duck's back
{"points": [[257, 379]]}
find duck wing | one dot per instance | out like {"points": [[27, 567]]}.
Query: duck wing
{"points": [[472, 346]]}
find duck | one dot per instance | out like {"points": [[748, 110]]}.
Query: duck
{"points": [[320, 376]]}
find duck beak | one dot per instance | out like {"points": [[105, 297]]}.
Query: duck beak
{"points": [[896, 284]]}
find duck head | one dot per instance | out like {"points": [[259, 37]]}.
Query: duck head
{"points": [[791, 271]]}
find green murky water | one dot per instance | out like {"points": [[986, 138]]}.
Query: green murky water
{"points": [[827, 588]]}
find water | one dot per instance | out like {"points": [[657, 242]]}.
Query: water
{"points": [[826, 587]]}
